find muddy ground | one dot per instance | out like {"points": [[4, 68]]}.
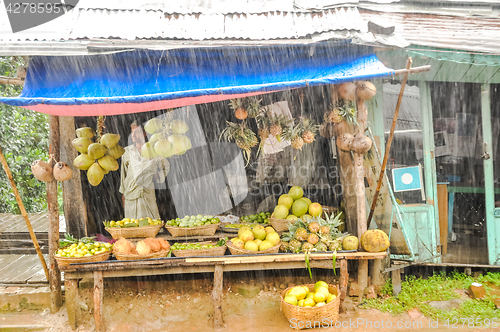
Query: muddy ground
{"points": [[175, 304]]}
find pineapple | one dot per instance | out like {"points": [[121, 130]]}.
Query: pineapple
{"points": [[314, 227], [324, 230], [307, 247], [301, 234], [244, 137], [335, 245], [294, 246], [298, 143], [308, 137], [275, 129], [264, 133], [343, 111], [309, 130], [294, 135], [321, 246], [312, 239], [284, 247], [335, 115]]}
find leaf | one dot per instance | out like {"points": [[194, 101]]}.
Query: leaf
{"points": [[307, 263], [334, 260]]}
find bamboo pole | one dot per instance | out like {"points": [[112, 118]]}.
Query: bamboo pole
{"points": [[23, 212], [389, 141], [53, 209], [11, 80]]}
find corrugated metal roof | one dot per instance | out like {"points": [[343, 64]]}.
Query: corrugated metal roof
{"points": [[476, 34], [195, 22]]}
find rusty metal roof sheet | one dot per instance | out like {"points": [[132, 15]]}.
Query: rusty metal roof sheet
{"points": [[474, 34], [193, 23]]}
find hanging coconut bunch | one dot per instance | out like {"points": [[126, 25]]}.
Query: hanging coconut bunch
{"points": [[243, 136], [167, 138], [43, 170], [96, 157]]}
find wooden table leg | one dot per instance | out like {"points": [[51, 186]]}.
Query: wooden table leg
{"points": [[217, 296], [71, 295], [98, 297], [344, 278]]}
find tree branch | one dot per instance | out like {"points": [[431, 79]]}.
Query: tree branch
{"points": [[11, 80]]}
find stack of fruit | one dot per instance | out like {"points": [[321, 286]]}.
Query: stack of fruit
{"points": [[127, 222], [156, 247], [302, 296], [84, 247], [257, 238], [194, 221], [260, 218], [238, 226], [315, 234], [167, 138], [294, 205], [97, 158]]}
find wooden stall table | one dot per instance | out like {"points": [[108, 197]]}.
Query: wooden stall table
{"points": [[178, 265]]}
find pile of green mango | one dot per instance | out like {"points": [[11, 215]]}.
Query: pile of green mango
{"points": [[260, 218]]}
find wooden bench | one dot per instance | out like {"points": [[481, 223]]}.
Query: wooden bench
{"points": [[114, 269]]}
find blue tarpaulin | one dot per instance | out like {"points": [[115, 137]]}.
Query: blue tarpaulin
{"points": [[145, 80]]}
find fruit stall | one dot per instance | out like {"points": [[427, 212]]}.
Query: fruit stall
{"points": [[243, 121]]}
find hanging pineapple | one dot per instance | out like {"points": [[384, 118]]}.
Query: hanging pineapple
{"points": [[310, 130], [277, 124], [342, 111], [294, 135], [239, 111], [263, 123], [243, 136]]}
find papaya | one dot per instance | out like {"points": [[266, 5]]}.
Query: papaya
{"points": [[130, 224], [143, 222]]}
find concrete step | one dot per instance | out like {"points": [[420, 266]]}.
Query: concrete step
{"points": [[13, 298], [13, 322]]}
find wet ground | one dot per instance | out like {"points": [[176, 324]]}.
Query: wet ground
{"points": [[185, 305]]}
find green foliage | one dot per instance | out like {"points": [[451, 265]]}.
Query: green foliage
{"points": [[416, 293], [24, 138]]}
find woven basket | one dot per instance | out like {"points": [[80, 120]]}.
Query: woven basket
{"points": [[129, 257], [305, 317], [280, 225], [217, 251], [237, 251], [134, 232], [103, 256], [193, 231]]}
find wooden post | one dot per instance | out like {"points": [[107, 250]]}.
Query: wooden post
{"points": [[74, 206], [359, 171], [346, 178], [217, 297], [53, 209], [25, 215], [71, 294], [98, 297], [344, 278]]}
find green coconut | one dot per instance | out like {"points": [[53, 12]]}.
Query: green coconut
{"points": [[178, 126], [110, 140], [81, 144], [85, 132], [95, 174], [83, 162], [153, 126], [96, 150], [108, 163], [148, 152], [180, 143], [164, 148], [116, 152]]}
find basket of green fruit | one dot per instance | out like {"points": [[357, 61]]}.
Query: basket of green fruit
{"points": [[193, 225], [133, 228], [258, 218], [84, 250], [200, 249]]}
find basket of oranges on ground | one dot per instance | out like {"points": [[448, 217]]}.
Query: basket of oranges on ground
{"points": [[306, 305], [84, 250]]}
